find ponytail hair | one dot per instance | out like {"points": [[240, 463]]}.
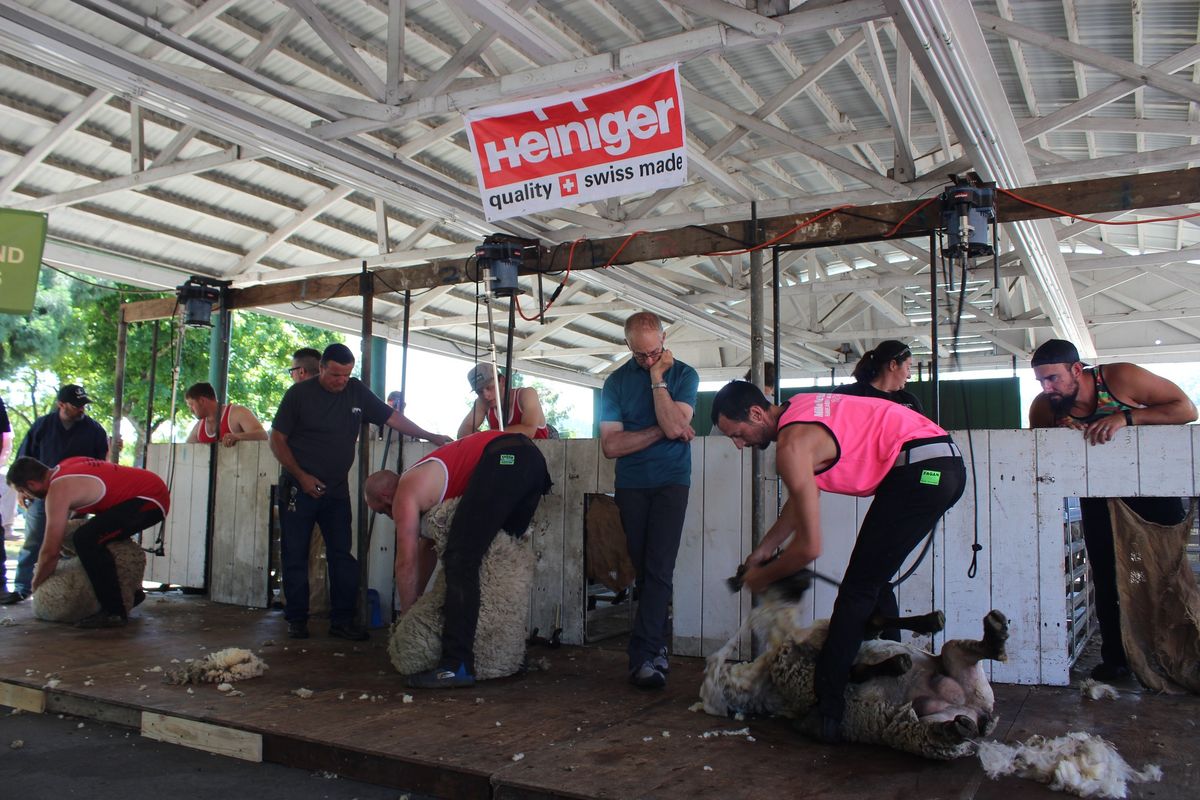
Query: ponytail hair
{"points": [[873, 362]]}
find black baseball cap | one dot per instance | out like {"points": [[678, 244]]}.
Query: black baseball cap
{"points": [[1055, 351], [74, 394]]}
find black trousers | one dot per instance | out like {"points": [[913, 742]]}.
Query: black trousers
{"points": [[119, 522], [905, 508], [653, 523], [503, 493], [1102, 555]]}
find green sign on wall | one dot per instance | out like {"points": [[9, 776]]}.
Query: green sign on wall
{"points": [[22, 236]]}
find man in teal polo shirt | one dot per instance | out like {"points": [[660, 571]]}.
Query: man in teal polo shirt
{"points": [[646, 425]]}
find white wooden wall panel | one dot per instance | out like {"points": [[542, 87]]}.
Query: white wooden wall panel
{"points": [[952, 547], [1014, 552], [1059, 454], [584, 461], [1112, 468], [1164, 462], [723, 496], [185, 533], [545, 603], [241, 538], [689, 591]]}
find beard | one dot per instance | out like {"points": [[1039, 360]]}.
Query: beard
{"points": [[1063, 403]]}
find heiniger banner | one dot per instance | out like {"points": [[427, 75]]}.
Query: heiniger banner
{"points": [[575, 148]]}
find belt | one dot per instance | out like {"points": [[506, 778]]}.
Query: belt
{"points": [[924, 452]]}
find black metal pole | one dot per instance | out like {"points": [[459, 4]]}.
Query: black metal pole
{"points": [[150, 394], [512, 324], [933, 328], [366, 286], [404, 372]]}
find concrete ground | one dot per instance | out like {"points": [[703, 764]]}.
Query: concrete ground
{"points": [[63, 757]]}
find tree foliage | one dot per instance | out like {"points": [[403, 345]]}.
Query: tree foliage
{"points": [[71, 337]]}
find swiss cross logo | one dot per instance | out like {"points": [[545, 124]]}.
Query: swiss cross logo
{"points": [[567, 184]]}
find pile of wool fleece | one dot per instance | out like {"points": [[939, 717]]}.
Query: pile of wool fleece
{"points": [[1078, 763], [224, 666], [505, 578]]}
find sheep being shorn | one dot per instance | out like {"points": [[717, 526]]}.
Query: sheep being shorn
{"points": [[67, 595], [930, 705], [505, 578]]}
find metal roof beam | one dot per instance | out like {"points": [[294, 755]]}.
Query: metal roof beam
{"points": [[948, 44]]}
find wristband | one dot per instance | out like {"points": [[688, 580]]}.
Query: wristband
{"points": [[659, 385], [1129, 417]]}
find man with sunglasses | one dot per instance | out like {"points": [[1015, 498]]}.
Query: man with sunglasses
{"points": [[646, 425]]}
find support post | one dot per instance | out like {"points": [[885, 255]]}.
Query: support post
{"points": [[757, 462], [114, 448], [366, 286], [933, 329], [150, 394]]}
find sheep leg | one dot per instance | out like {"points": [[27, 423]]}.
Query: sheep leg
{"points": [[933, 622], [888, 668], [949, 721], [958, 655]]}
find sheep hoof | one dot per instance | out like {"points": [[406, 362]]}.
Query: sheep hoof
{"points": [[933, 622], [995, 635], [966, 727], [888, 668]]}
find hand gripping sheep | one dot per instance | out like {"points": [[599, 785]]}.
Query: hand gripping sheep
{"points": [[67, 595], [935, 706]]}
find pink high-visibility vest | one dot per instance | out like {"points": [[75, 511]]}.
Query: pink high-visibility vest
{"points": [[869, 433]]}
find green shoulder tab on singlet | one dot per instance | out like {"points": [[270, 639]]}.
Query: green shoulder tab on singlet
{"points": [[507, 459]]}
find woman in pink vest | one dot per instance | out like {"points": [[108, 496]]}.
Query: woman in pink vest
{"points": [[849, 445]]}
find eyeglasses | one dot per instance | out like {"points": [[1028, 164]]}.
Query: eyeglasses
{"points": [[294, 370], [647, 356]]}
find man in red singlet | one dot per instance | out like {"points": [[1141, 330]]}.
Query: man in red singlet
{"points": [[1099, 401], [228, 425], [524, 415], [124, 500], [501, 478]]}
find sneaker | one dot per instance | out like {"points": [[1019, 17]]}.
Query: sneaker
{"points": [[298, 629], [348, 631], [441, 678], [647, 677], [1109, 672], [102, 619], [660, 662], [13, 597]]}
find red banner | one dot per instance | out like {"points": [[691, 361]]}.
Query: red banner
{"points": [[575, 148]]}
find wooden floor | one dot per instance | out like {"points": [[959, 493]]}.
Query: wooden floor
{"points": [[575, 730]]}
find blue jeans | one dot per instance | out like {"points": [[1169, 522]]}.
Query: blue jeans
{"points": [[35, 531], [653, 522], [333, 515]]}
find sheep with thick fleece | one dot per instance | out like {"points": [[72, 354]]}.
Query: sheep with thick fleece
{"points": [[67, 595], [899, 696], [505, 578]]}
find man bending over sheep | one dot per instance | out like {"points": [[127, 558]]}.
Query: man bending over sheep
{"points": [[501, 478], [124, 500], [850, 445]]}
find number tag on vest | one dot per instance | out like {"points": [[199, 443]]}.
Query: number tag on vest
{"points": [[507, 459], [932, 477]]}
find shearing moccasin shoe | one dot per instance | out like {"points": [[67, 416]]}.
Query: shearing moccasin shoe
{"points": [[442, 678]]}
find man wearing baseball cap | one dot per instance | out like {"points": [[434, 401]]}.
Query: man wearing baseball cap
{"points": [[1099, 401], [524, 413], [63, 433]]}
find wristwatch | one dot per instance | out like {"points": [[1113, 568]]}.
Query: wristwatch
{"points": [[659, 385], [1129, 417]]}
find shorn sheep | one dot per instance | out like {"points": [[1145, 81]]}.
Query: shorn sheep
{"points": [[505, 578], [67, 595], [901, 697]]}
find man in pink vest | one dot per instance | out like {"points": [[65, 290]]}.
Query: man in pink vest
{"points": [[124, 500], [501, 478], [858, 446]]}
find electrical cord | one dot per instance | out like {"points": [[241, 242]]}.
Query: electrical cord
{"points": [[104, 286], [1093, 220], [306, 306]]}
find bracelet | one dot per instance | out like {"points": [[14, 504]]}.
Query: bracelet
{"points": [[659, 385], [1129, 418]]}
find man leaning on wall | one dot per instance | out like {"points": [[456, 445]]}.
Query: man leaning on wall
{"points": [[1098, 402]]}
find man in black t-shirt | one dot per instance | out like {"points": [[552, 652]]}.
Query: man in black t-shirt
{"points": [[65, 432], [313, 438]]}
